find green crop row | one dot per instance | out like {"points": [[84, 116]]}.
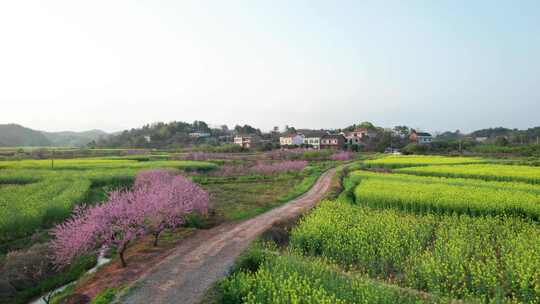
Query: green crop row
{"points": [[293, 279], [446, 195], [496, 259], [495, 172], [24, 208], [93, 164], [398, 161]]}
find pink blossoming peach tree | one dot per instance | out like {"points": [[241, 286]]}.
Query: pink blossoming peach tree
{"points": [[159, 200]]}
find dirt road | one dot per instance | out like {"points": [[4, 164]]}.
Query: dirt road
{"points": [[205, 257]]}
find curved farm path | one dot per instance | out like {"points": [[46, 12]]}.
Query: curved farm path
{"points": [[206, 256]]}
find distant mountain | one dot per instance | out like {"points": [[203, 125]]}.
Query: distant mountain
{"points": [[13, 135], [74, 139]]}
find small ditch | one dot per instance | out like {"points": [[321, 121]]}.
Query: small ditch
{"points": [[45, 299]]}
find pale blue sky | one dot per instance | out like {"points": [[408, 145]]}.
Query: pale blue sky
{"points": [[433, 65]]}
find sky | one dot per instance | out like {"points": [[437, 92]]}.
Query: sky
{"points": [[114, 65]]}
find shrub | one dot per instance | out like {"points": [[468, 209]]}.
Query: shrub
{"points": [[278, 167], [343, 155]]}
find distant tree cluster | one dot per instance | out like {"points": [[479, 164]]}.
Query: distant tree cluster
{"points": [[174, 134], [201, 137], [161, 135], [247, 129]]}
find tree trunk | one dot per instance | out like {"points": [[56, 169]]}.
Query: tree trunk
{"points": [[122, 260], [156, 236]]}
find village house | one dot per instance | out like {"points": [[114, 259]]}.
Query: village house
{"points": [[291, 140], [355, 137], [481, 139], [247, 141], [312, 138], [421, 137], [199, 134], [333, 141]]}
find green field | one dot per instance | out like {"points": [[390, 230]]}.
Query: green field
{"points": [[446, 195], [520, 173], [436, 229], [35, 196], [398, 161], [241, 197], [100, 163], [458, 256], [290, 279]]}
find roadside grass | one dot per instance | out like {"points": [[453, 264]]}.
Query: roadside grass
{"points": [[242, 198], [106, 296]]}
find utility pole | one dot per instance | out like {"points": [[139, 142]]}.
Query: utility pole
{"points": [[52, 159]]}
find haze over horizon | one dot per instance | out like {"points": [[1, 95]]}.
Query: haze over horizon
{"points": [[71, 65]]}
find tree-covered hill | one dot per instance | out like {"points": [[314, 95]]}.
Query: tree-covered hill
{"points": [[74, 139], [13, 135]]}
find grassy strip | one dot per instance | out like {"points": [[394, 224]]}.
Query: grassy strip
{"points": [[246, 207], [302, 187]]}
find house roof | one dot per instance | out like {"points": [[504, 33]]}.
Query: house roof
{"points": [[313, 133], [248, 135], [423, 134], [289, 135], [333, 136], [360, 130]]}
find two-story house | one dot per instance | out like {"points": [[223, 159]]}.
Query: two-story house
{"points": [[333, 141], [291, 140], [421, 137], [247, 141], [312, 138], [355, 137]]}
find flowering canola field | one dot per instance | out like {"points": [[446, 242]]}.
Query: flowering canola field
{"points": [[447, 195], [435, 229], [396, 161], [454, 255], [513, 173]]}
